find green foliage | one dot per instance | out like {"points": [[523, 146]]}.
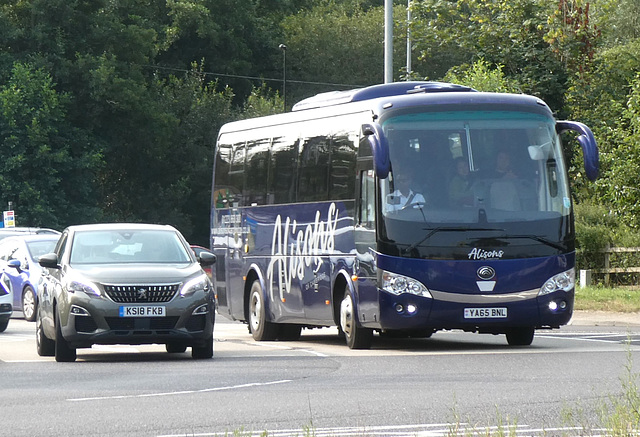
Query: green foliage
{"points": [[619, 21], [572, 34], [510, 33], [339, 45], [607, 98], [43, 161], [481, 77], [165, 153], [595, 227], [262, 102], [621, 415]]}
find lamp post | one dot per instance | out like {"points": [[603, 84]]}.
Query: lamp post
{"points": [[388, 41], [408, 39], [283, 47]]}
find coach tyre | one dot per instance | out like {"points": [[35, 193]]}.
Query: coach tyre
{"points": [[261, 329], [357, 337], [520, 336]]}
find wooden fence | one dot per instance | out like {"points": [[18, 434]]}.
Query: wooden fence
{"points": [[607, 270]]}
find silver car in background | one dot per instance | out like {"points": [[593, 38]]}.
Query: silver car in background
{"points": [[20, 272], [124, 284]]}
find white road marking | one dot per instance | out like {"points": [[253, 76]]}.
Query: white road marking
{"points": [[420, 430], [174, 393]]}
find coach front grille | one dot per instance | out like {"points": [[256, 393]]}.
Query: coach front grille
{"points": [[141, 293]]}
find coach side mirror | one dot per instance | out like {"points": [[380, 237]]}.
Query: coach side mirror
{"points": [[588, 143], [380, 148]]}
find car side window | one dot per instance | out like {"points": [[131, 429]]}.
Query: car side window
{"points": [[9, 251]]}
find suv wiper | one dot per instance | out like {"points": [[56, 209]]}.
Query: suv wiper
{"points": [[447, 229]]}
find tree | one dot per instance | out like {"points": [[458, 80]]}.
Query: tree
{"points": [[599, 97], [502, 32], [161, 158], [45, 166], [262, 102], [339, 45], [481, 77], [618, 188]]}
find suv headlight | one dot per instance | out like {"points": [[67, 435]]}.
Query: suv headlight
{"points": [[201, 283], [564, 281], [399, 284], [75, 286]]}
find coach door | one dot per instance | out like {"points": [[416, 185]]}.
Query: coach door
{"points": [[365, 237], [226, 242]]}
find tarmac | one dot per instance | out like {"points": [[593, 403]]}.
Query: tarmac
{"points": [[605, 318]]}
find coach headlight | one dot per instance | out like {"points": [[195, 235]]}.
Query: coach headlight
{"points": [[564, 281], [400, 284]]}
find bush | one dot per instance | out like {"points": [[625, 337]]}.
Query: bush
{"points": [[594, 231]]}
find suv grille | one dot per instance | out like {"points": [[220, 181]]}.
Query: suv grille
{"points": [[142, 324], [141, 293]]}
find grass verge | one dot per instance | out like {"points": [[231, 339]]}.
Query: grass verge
{"points": [[620, 299]]}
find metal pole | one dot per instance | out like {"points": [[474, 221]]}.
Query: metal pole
{"points": [[408, 37], [388, 41], [284, 75]]}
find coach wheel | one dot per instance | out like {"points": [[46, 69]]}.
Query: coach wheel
{"points": [[261, 329], [520, 336], [357, 337]]}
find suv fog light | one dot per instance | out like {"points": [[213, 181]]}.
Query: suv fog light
{"points": [[202, 309], [78, 311], [399, 308], [411, 309], [553, 305], [563, 305]]}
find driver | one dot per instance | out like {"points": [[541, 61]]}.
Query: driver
{"points": [[404, 197]]}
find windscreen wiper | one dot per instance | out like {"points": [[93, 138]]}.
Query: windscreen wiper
{"points": [[539, 239], [447, 229]]}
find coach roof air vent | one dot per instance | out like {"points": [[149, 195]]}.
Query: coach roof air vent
{"points": [[376, 91]]}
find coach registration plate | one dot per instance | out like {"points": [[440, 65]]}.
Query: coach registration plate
{"points": [[485, 313], [142, 311]]}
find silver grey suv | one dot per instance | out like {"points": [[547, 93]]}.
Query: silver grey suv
{"points": [[124, 284]]}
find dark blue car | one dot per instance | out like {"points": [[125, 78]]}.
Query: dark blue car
{"points": [[20, 272]]}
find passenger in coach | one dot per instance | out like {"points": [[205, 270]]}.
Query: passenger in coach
{"points": [[460, 193]]}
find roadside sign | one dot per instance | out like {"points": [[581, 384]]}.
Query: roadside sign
{"points": [[9, 219]]}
